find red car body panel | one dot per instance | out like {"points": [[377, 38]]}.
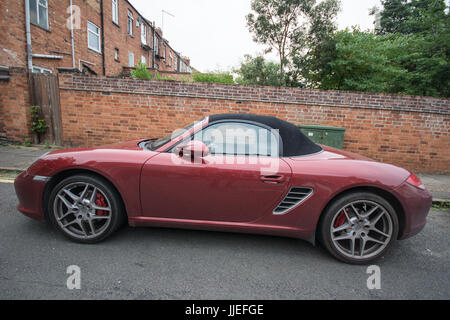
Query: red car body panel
{"points": [[224, 197]]}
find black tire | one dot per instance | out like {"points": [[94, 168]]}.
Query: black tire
{"points": [[329, 221], [116, 216]]}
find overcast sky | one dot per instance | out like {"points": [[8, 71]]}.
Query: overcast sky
{"points": [[213, 33]]}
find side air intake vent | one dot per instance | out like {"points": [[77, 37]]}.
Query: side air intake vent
{"points": [[294, 197]]}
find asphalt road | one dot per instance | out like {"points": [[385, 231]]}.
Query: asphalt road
{"points": [[149, 263]]}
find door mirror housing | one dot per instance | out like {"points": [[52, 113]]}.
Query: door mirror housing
{"points": [[193, 149]]}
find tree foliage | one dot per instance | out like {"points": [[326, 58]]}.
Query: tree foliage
{"points": [[391, 63], [408, 54], [258, 71], [393, 17], [412, 17], [363, 62], [287, 26]]}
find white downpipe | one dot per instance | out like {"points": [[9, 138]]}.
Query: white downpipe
{"points": [[28, 32], [71, 35]]}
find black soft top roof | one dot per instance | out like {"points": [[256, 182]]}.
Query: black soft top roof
{"points": [[295, 143]]}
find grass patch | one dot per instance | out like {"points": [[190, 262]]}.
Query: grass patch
{"points": [[443, 206], [9, 172]]}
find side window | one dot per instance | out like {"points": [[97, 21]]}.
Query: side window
{"points": [[115, 12], [39, 13], [236, 138]]}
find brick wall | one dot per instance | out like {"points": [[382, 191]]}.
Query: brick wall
{"points": [[409, 131], [412, 132], [14, 107]]}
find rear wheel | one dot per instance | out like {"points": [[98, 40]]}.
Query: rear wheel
{"points": [[358, 227], [85, 208]]}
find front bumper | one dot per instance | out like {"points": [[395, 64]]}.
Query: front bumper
{"points": [[416, 204], [30, 191]]}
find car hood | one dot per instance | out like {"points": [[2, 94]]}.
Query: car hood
{"points": [[125, 145]]}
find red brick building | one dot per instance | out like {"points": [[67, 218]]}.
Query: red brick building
{"points": [[99, 37]]}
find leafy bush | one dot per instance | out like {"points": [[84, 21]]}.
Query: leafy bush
{"points": [[258, 71], [38, 125], [216, 77], [141, 72]]}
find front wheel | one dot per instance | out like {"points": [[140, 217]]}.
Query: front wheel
{"points": [[358, 227], [85, 208]]}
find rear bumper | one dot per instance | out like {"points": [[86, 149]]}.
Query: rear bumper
{"points": [[416, 204], [29, 191]]}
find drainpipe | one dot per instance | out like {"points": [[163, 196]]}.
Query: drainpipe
{"points": [[28, 32], [103, 37], [71, 35]]}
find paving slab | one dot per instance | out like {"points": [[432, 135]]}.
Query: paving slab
{"points": [[19, 158]]}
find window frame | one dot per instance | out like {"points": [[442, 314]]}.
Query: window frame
{"points": [[130, 23], [144, 60], [99, 50], [38, 5], [41, 70], [143, 34], [156, 45], [115, 11], [130, 54], [254, 123]]}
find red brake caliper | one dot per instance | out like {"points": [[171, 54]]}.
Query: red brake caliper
{"points": [[339, 220], [101, 202]]}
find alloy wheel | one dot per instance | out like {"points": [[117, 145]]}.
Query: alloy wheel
{"points": [[82, 210], [361, 229]]}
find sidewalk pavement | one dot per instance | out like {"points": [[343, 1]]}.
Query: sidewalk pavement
{"points": [[19, 158]]}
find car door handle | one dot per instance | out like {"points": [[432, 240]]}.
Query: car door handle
{"points": [[273, 179]]}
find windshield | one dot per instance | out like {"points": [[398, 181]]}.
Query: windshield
{"points": [[155, 144]]}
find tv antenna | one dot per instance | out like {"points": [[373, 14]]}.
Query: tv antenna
{"points": [[162, 20]]}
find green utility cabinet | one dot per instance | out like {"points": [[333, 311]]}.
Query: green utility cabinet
{"points": [[329, 136]]}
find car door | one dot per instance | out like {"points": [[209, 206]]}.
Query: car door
{"points": [[234, 183]]}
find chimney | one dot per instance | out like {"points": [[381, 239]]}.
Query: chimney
{"points": [[187, 60]]}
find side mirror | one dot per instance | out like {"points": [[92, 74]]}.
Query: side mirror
{"points": [[193, 149]]}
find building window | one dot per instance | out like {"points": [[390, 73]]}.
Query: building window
{"points": [[170, 59], [156, 46], [143, 34], [115, 11], [143, 60], [116, 54], [130, 59], [39, 13], [93, 37], [130, 23], [40, 70]]}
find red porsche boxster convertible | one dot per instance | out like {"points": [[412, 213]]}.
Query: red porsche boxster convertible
{"points": [[229, 172]]}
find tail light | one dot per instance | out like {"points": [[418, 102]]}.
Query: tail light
{"points": [[415, 181]]}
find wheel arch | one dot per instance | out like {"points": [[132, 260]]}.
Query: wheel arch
{"points": [[71, 172], [396, 204]]}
